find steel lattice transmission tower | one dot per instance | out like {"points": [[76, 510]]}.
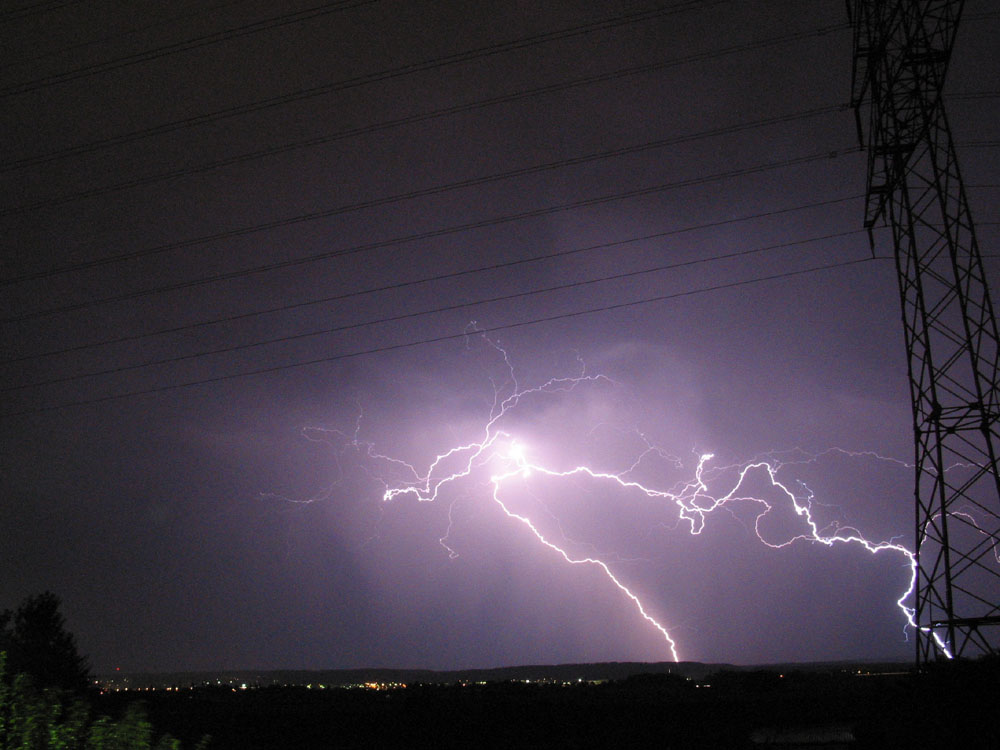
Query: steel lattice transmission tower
{"points": [[901, 54]]}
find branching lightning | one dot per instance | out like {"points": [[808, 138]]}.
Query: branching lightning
{"points": [[498, 458]]}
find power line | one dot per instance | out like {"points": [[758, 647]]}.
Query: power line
{"points": [[128, 32], [961, 96], [611, 153], [606, 23], [534, 213], [36, 9], [436, 339], [326, 213], [426, 280], [404, 70], [274, 22], [446, 308]]}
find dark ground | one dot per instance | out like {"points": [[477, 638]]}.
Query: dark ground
{"points": [[954, 706]]}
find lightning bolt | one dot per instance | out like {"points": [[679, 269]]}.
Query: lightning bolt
{"points": [[507, 459]]}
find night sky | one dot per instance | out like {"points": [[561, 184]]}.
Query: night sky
{"points": [[249, 250]]}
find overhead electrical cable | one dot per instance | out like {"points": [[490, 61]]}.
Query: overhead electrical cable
{"points": [[375, 202], [369, 130], [434, 311], [429, 279], [201, 11], [437, 339], [454, 229], [557, 164], [287, 18], [435, 63], [256, 27], [36, 9], [973, 95]]}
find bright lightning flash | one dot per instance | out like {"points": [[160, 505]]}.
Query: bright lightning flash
{"points": [[507, 458]]}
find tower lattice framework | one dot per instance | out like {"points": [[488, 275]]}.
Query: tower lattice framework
{"points": [[901, 53]]}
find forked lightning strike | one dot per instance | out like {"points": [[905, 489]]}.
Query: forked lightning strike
{"points": [[694, 500]]}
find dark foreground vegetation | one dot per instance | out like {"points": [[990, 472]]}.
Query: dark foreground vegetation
{"points": [[46, 693], [954, 706]]}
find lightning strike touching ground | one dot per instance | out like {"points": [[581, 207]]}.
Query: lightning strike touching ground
{"points": [[497, 458]]}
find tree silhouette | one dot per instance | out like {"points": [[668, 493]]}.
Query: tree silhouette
{"points": [[38, 644], [49, 719], [39, 666]]}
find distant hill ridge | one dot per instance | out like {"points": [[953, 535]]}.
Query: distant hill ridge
{"points": [[541, 672]]}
